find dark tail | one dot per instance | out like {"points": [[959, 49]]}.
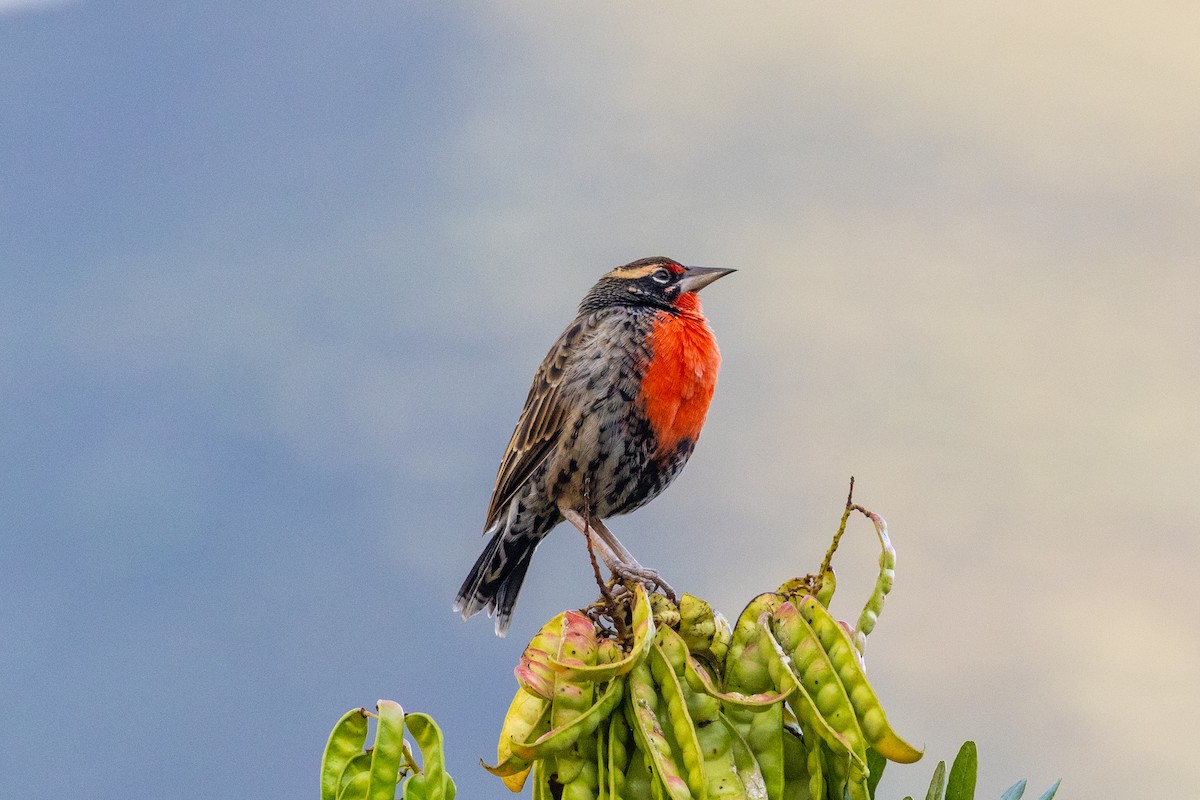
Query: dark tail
{"points": [[495, 580]]}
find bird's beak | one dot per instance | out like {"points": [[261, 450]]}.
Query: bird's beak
{"points": [[696, 278]]}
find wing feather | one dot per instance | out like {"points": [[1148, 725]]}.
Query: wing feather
{"points": [[542, 421]]}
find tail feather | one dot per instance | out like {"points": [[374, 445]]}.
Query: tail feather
{"points": [[495, 581]]}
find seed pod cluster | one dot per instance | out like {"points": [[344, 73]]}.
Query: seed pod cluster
{"points": [[348, 773], [686, 707]]}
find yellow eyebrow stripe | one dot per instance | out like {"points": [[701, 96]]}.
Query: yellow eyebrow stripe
{"points": [[634, 273]]}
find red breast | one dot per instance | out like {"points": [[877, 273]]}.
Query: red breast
{"points": [[682, 373]]}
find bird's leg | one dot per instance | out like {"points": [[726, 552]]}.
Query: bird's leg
{"points": [[614, 543], [606, 554], [614, 555], [605, 593], [648, 576]]}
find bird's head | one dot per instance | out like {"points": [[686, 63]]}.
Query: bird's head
{"points": [[655, 282]]}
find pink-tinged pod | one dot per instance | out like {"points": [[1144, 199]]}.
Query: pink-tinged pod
{"points": [[602, 670], [578, 647], [643, 714], [533, 670], [534, 674]]}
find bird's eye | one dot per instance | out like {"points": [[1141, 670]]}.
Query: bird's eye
{"points": [[661, 276]]}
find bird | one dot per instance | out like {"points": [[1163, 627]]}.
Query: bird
{"points": [[612, 416]]}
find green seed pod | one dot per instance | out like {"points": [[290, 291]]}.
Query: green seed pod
{"points": [[883, 583], [602, 758], [820, 690], [643, 713], [541, 781], [639, 780], [713, 739], [608, 653], [699, 680], [678, 724], [827, 588], [415, 788], [795, 763], [846, 662], [706, 632], [745, 633], [857, 781], [527, 719], [428, 736], [748, 770], [586, 784], [559, 740], [697, 624], [388, 750], [618, 752], [816, 765], [665, 612], [345, 742], [794, 587], [355, 778], [765, 738], [747, 672], [837, 769]]}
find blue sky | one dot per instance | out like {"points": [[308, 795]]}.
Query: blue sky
{"points": [[274, 280]]}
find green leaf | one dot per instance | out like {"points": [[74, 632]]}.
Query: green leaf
{"points": [[345, 742], [1015, 791], [961, 783], [875, 763], [937, 786], [1049, 795], [389, 749]]}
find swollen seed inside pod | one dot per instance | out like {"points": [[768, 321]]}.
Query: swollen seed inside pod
{"points": [[828, 699], [804, 654], [874, 724], [861, 697], [817, 673]]}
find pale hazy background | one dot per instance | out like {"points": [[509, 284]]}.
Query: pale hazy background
{"points": [[274, 278]]}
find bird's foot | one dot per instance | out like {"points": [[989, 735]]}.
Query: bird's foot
{"points": [[650, 578]]}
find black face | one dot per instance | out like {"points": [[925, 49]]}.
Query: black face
{"points": [[649, 283]]}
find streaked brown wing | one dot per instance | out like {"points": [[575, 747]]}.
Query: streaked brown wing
{"points": [[542, 420]]}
